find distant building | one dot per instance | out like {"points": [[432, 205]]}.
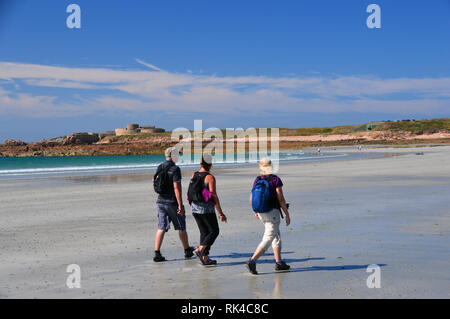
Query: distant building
{"points": [[136, 129]]}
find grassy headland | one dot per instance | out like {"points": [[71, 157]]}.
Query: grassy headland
{"points": [[407, 132]]}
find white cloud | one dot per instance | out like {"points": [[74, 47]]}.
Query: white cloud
{"points": [[157, 89]]}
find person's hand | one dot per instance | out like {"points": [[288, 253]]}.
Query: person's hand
{"points": [[288, 220], [180, 210], [222, 217], [256, 215]]}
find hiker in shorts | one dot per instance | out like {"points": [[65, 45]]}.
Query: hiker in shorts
{"points": [[267, 198], [204, 201], [170, 204]]}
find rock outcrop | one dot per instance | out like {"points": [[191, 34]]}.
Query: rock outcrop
{"points": [[14, 143], [81, 139]]}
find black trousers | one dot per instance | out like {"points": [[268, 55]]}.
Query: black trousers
{"points": [[209, 229]]}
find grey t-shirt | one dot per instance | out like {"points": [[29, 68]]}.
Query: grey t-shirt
{"points": [[175, 176]]}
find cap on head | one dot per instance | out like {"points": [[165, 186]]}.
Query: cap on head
{"points": [[171, 152]]}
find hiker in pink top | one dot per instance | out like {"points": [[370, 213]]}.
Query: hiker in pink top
{"points": [[204, 202]]}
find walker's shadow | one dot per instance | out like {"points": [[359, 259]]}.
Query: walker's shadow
{"points": [[324, 268], [246, 255], [242, 255], [261, 261]]}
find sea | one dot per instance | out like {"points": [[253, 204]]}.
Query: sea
{"points": [[29, 167]]}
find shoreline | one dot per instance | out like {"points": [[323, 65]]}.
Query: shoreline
{"points": [[86, 171]]}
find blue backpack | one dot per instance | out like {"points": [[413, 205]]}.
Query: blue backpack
{"points": [[261, 198]]}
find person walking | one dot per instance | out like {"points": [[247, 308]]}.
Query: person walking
{"points": [[170, 208], [202, 196], [267, 199]]}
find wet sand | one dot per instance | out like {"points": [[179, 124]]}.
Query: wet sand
{"points": [[392, 211]]}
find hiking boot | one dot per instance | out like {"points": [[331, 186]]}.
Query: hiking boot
{"points": [[282, 267], [189, 252], [251, 267], [158, 257]]}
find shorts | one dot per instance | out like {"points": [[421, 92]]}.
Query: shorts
{"points": [[167, 214]]}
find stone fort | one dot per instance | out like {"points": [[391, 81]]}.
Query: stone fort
{"points": [[136, 129]]}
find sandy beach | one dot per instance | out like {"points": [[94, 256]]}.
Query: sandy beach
{"points": [[392, 211]]}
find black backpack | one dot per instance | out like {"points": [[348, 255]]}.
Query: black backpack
{"points": [[161, 181], [196, 186]]}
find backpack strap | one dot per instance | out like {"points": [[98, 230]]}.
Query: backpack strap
{"points": [[259, 178], [202, 174], [167, 168]]}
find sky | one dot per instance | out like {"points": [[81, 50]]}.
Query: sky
{"points": [[253, 63]]}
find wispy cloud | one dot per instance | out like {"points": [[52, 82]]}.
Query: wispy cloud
{"points": [[151, 66], [156, 89]]}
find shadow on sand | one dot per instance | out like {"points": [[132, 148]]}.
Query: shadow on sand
{"points": [[245, 256], [322, 268]]}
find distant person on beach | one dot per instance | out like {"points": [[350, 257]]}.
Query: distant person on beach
{"points": [[167, 183], [204, 202], [267, 199]]}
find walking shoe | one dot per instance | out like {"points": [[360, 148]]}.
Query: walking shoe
{"points": [[158, 257], [199, 255], [209, 262], [189, 252], [282, 266], [251, 267]]}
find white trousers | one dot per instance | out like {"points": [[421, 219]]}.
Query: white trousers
{"points": [[271, 221]]}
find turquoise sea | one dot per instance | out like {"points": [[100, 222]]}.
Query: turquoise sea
{"points": [[86, 165]]}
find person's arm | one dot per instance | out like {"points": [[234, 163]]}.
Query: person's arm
{"points": [[211, 181], [283, 205], [177, 189]]}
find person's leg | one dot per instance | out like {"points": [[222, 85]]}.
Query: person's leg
{"points": [[212, 226], [212, 229], [203, 229], [276, 243], [159, 239], [258, 253], [276, 246], [209, 230], [277, 254], [179, 223], [267, 239], [184, 238], [163, 225], [260, 250]]}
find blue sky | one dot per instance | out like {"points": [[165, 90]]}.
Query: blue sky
{"points": [[231, 63]]}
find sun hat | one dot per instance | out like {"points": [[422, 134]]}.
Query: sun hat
{"points": [[265, 166]]}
